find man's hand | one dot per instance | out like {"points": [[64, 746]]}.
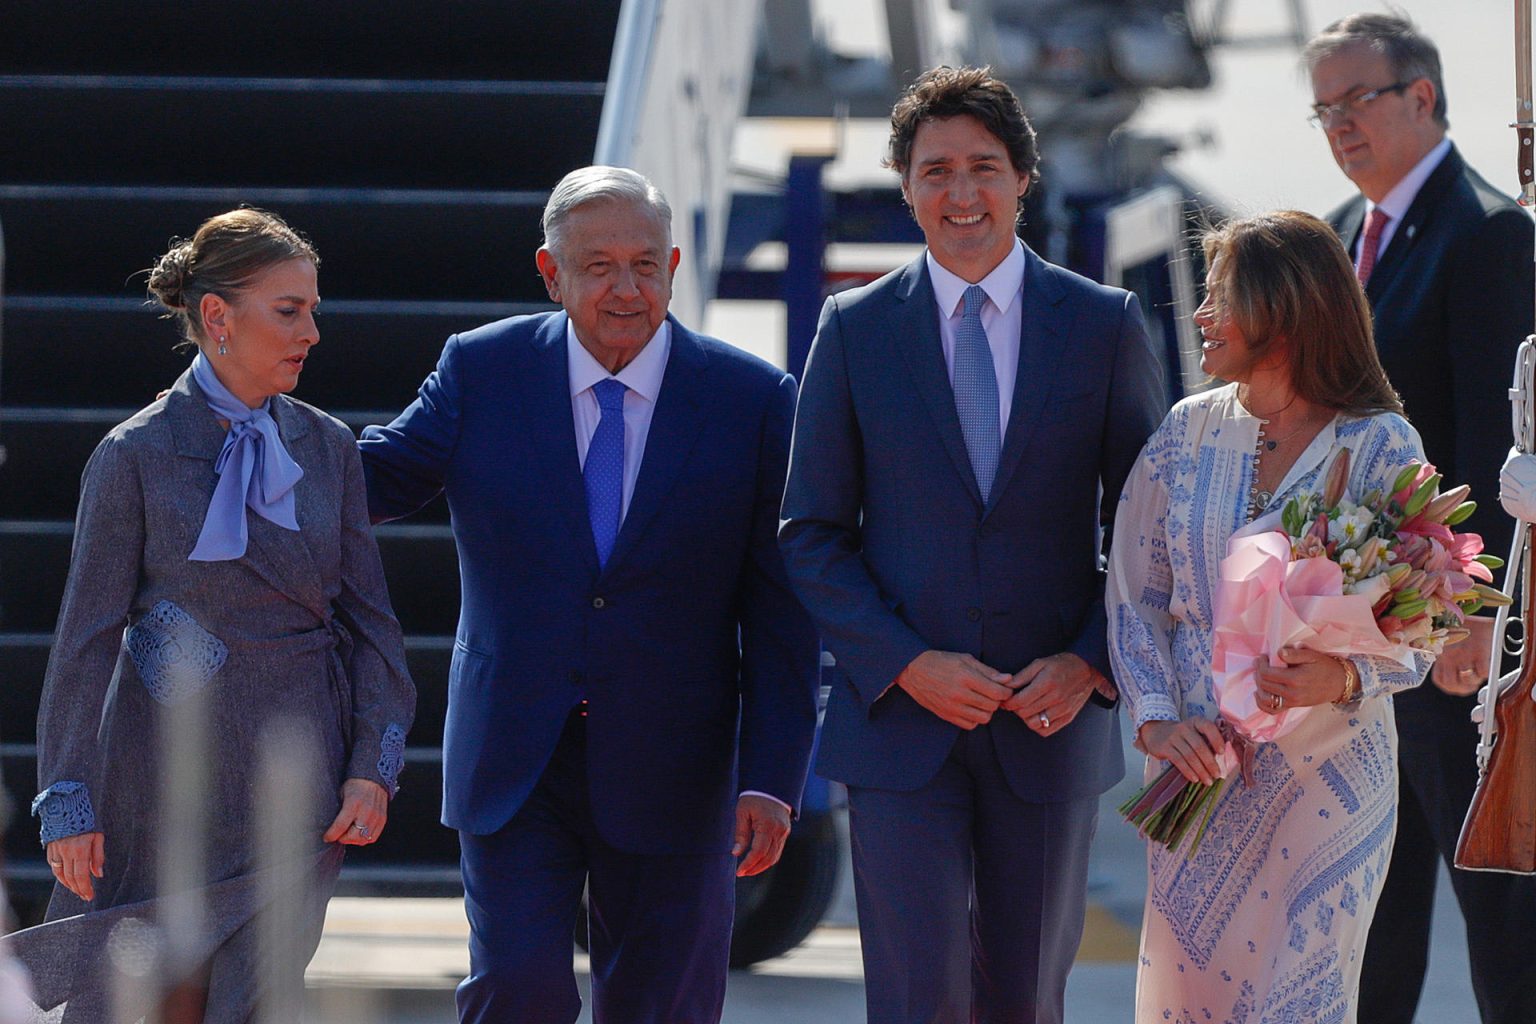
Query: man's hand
{"points": [[1461, 668], [1051, 691], [956, 687], [762, 826]]}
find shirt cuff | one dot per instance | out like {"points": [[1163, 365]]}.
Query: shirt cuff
{"points": [[770, 796], [64, 810]]}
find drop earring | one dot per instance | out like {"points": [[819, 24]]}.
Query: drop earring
{"points": [[222, 350]]}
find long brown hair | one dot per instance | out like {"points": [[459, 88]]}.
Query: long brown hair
{"points": [[1286, 280]]}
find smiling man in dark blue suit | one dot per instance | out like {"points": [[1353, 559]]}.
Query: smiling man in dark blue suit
{"points": [[965, 426], [632, 696]]}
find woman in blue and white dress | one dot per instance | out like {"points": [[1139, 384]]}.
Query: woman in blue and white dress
{"points": [[1267, 921]]}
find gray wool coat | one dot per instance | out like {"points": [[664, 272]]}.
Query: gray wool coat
{"points": [[294, 643]]}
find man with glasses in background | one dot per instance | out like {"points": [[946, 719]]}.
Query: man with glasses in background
{"points": [[1446, 263]]}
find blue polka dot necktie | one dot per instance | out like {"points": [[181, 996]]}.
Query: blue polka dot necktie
{"points": [[603, 472], [976, 398]]}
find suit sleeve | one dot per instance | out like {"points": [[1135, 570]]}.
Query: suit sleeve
{"points": [[1137, 402], [779, 652], [1489, 305], [383, 698], [819, 533], [104, 571], [406, 463]]}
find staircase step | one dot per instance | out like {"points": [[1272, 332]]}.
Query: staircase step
{"points": [[413, 838], [47, 449], [419, 563], [398, 245], [78, 350], [102, 130], [529, 39]]}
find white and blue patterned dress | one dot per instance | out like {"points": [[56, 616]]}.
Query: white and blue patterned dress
{"points": [[1267, 921]]}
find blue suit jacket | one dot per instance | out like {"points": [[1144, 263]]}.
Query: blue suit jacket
{"points": [[892, 550], [690, 629], [1451, 299]]}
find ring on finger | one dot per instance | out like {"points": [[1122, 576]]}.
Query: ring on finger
{"points": [[1045, 720], [1465, 672], [362, 829]]}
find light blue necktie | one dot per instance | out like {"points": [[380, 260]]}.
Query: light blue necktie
{"points": [[604, 469], [976, 398]]}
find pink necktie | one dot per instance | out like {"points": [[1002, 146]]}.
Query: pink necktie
{"points": [[1374, 222]]}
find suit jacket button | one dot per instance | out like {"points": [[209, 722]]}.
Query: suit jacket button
{"points": [[598, 602], [974, 614]]}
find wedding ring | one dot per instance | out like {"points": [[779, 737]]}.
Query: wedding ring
{"points": [[1464, 673], [362, 829], [1276, 701], [55, 863], [1045, 720]]}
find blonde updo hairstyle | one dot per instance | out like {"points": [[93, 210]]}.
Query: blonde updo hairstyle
{"points": [[222, 258]]}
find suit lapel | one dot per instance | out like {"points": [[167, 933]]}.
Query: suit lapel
{"points": [[916, 333], [1428, 200], [675, 425], [1042, 334], [547, 401], [1349, 225]]}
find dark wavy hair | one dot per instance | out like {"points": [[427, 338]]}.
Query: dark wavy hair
{"points": [[947, 92]]}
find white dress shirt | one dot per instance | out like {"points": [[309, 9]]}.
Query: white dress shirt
{"points": [[1395, 203], [642, 377], [1001, 316]]}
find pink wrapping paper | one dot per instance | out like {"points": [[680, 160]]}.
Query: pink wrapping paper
{"points": [[1265, 601]]}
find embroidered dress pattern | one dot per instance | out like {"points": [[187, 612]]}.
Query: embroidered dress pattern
{"points": [[64, 810], [174, 655], [392, 757], [1264, 923]]}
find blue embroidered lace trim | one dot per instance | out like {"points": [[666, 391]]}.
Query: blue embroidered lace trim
{"points": [[64, 809], [174, 655], [392, 757]]}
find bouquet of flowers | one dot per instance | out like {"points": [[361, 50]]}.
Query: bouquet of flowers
{"points": [[1384, 576]]}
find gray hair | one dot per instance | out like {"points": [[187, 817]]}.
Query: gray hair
{"points": [[1409, 52], [598, 182]]}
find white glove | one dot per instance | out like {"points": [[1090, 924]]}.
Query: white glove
{"points": [[1517, 486]]}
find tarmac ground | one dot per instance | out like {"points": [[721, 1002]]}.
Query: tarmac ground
{"points": [[396, 961]]}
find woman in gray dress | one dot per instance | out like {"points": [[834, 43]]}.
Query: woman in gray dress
{"points": [[222, 561]]}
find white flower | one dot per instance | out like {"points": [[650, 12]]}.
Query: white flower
{"points": [[1349, 561], [1373, 588], [1351, 526]]}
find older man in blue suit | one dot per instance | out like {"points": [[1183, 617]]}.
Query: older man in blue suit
{"points": [[965, 425], [631, 701]]}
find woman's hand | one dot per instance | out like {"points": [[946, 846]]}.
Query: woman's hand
{"points": [[1307, 680], [364, 809], [1191, 746], [75, 860]]}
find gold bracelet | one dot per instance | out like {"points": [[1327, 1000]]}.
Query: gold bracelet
{"points": [[1351, 692]]}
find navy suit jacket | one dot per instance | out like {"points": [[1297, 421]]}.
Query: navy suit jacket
{"points": [[892, 550], [1452, 298], [689, 634]]}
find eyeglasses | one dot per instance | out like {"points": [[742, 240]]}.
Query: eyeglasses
{"points": [[1324, 114]]}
